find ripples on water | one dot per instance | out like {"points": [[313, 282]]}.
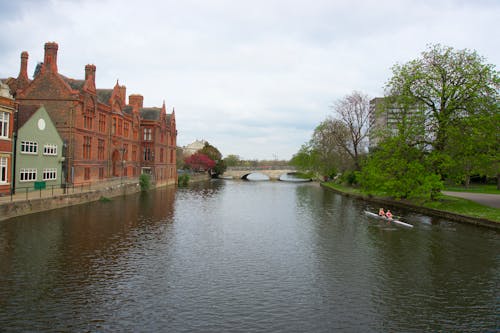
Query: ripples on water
{"points": [[244, 257]]}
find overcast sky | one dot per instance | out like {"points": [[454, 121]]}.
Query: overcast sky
{"points": [[253, 78]]}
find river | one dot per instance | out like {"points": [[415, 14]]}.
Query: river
{"points": [[234, 256]]}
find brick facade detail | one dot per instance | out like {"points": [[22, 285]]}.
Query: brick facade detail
{"points": [[103, 135]]}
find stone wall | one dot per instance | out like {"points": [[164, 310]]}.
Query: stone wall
{"points": [[25, 207]]}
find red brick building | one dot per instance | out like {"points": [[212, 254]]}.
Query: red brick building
{"points": [[7, 111], [104, 136]]}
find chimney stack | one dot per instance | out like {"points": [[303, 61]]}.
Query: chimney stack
{"points": [[136, 101], [123, 94], [50, 60], [23, 72]]}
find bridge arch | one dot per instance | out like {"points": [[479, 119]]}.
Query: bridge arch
{"points": [[245, 176]]}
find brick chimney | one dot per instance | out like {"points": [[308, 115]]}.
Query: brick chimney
{"points": [[23, 80], [90, 72], [90, 77], [23, 72], [50, 59], [123, 94], [136, 101]]}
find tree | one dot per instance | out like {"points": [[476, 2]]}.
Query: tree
{"points": [[232, 160], [215, 155], [212, 152], [399, 170], [351, 132], [328, 142], [449, 86], [307, 160], [199, 162], [179, 158]]}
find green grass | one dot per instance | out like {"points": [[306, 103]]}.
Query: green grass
{"points": [[445, 203], [489, 189], [464, 207]]}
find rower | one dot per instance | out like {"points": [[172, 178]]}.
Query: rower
{"points": [[388, 214], [381, 212]]}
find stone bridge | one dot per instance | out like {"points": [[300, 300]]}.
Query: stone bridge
{"points": [[242, 173]]}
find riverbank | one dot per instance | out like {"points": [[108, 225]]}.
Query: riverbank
{"points": [[49, 199], [387, 202]]}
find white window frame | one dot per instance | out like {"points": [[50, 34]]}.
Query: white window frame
{"points": [[4, 176], [4, 125], [27, 174], [50, 149], [147, 134], [49, 174], [29, 147]]}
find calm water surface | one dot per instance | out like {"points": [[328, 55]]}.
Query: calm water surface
{"points": [[232, 256]]}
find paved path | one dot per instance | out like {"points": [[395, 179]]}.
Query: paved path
{"points": [[491, 200]]}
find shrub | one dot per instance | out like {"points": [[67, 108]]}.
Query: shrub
{"points": [[144, 182]]}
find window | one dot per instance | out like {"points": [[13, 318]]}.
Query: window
{"points": [[161, 154], [100, 149], [4, 124], [134, 153], [126, 129], [136, 134], [147, 154], [113, 128], [120, 126], [50, 174], [3, 170], [27, 174], [87, 174], [101, 173], [87, 143], [29, 147], [50, 149], [147, 134], [102, 123], [87, 121]]}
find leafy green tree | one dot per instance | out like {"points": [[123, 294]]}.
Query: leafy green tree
{"points": [[448, 86], [308, 161], [399, 170], [327, 143], [232, 160]]}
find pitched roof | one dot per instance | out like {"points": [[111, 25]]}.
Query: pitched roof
{"points": [[25, 112], [103, 95], [150, 113], [74, 84], [128, 109]]}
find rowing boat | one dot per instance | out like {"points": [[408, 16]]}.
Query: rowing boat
{"points": [[401, 223]]}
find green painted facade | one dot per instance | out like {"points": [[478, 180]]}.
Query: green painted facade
{"points": [[40, 166]]}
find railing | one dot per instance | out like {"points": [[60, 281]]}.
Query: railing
{"points": [[28, 192], [261, 167]]}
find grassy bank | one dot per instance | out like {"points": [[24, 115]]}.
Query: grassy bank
{"points": [[449, 204], [488, 189]]}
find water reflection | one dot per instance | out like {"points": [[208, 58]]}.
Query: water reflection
{"points": [[257, 176], [243, 256]]}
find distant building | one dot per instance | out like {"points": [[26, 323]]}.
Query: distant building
{"points": [[384, 119], [104, 137], [7, 111], [38, 149], [192, 148]]}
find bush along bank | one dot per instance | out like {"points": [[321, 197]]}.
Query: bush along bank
{"points": [[476, 214]]}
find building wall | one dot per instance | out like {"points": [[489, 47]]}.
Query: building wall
{"points": [[73, 103], [38, 129], [7, 112]]}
